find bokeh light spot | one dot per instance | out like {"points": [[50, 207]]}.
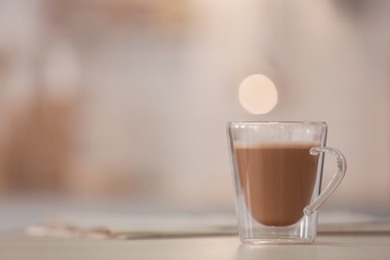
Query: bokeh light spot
{"points": [[258, 94]]}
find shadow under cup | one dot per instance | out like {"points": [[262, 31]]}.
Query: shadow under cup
{"points": [[277, 177]]}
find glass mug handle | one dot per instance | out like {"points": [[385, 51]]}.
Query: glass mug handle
{"points": [[337, 178]]}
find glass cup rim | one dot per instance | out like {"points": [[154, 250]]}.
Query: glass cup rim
{"points": [[277, 122]]}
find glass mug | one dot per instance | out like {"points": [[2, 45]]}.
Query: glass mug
{"points": [[277, 172]]}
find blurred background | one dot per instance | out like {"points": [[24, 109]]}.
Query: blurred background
{"points": [[127, 100]]}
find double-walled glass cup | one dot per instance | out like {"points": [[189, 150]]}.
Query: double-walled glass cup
{"points": [[277, 172]]}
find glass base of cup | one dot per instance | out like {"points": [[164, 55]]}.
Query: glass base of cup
{"points": [[303, 232], [278, 241]]}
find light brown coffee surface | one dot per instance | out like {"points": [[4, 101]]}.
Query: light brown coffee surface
{"points": [[277, 181]]}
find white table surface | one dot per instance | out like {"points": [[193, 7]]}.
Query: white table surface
{"points": [[19, 246], [15, 244]]}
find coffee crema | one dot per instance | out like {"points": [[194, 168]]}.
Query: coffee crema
{"points": [[277, 180]]}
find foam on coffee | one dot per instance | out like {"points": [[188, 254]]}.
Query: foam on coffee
{"points": [[277, 180]]}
